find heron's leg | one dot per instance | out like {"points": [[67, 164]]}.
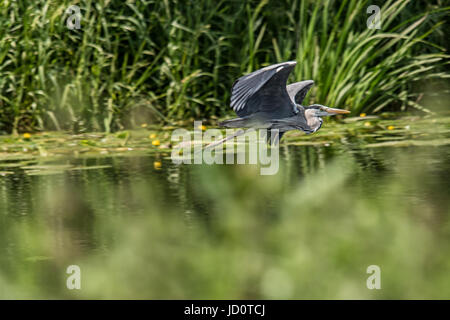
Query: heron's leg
{"points": [[273, 140], [215, 144]]}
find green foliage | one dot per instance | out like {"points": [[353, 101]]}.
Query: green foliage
{"points": [[226, 232], [178, 59]]}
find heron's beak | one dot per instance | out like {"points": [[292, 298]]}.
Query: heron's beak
{"points": [[333, 111]]}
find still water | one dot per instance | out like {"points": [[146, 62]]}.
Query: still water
{"points": [[143, 227]]}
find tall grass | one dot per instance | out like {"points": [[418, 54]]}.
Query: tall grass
{"points": [[164, 60]]}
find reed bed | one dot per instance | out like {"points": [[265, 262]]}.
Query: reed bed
{"points": [[167, 60]]}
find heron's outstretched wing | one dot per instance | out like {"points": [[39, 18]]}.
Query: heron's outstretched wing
{"points": [[297, 91], [264, 91]]}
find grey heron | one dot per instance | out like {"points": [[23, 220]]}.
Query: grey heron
{"points": [[262, 100]]}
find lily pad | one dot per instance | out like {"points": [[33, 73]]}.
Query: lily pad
{"points": [[43, 172]]}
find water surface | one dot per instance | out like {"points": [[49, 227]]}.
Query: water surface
{"points": [[142, 227]]}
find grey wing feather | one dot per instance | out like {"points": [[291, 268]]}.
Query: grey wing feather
{"points": [[263, 90], [297, 91]]}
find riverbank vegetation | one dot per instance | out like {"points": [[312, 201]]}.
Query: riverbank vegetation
{"points": [[163, 61]]}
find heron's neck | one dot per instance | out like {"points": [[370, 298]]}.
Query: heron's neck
{"points": [[315, 123], [312, 121]]}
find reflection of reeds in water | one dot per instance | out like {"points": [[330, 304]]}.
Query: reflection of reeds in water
{"points": [[226, 232], [139, 62]]}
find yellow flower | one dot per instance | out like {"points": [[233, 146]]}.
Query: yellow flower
{"points": [[155, 142], [152, 136], [362, 115], [390, 127], [157, 165], [144, 125], [26, 135], [366, 124], [202, 127]]}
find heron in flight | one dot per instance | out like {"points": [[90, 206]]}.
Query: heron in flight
{"points": [[262, 100]]}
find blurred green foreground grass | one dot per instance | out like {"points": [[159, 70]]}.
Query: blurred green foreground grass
{"points": [[222, 232]]}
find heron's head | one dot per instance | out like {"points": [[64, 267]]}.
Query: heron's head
{"points": [[318, 110]]}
